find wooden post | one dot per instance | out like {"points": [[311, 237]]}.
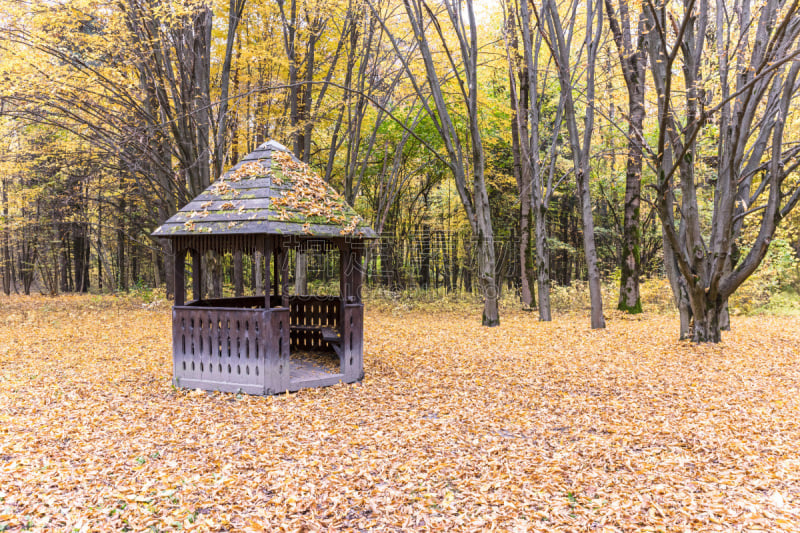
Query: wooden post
{"points": [[197, 275], [180, 284], [276, 270], [344, 257], [285, 277], [356, 272], [266, 251], [350, 273]]}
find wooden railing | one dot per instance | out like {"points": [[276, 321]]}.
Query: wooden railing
{"points": [[231, 349], [307, 316], [237, 302], [245, 349], [353, 342]]}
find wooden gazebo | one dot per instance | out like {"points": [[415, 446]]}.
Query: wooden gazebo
{"points": [[268, 203]]}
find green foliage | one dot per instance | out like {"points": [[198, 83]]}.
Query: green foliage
{"points": [[557, 245], [778, 277]]}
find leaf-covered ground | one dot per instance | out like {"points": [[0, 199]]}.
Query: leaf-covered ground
{"points": [[525, 427]]}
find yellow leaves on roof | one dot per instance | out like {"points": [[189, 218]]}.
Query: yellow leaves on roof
{"points": [[525, 427], [221, 187], [303, 196], [351, 227], [311, 196], [248, 170]]}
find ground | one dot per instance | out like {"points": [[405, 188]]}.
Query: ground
{"points": [[524, 427]]}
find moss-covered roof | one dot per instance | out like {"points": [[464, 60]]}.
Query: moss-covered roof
{"points": [[268, 192]]}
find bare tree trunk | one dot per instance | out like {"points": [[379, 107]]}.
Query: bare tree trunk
{"points": [[258, 273], [300, 101], [122, 275], [154, 258], [388, 267], [466, 268], [633, 58], [518, 135], [63, 258], [301, 272], [543, 266], [81, 256], [290, 47], [169, 263], [580, 146], [202, 103], [99, 246], [680, 298], [475, 199], [527, 292], [593, 272], [425, 258], [527, 272], [211, 269], [6, 242], [536, 186], [234, 15], [763, 87], [216, 275]]}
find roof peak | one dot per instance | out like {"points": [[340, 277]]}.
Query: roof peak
{"points": [[269, 191], [272, 144]]}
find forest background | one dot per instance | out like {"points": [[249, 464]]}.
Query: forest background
{"points": [[551, 152]]}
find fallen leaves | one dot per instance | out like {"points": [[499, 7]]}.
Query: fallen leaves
{"points": [[248, 170], [311, 196], [525, 427]]}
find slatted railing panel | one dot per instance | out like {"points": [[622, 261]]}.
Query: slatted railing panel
{"points": [[278, 367], [249, 349], [307, 315], [331, 312], [220, 349], [182, 355], [313, 310], [353, 342], [239, 302], [206, 345]]}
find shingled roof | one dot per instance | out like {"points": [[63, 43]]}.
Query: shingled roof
{"points": [[269, 191]]}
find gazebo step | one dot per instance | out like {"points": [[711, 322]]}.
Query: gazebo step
{"points": [[222, 386], [326, 381]]}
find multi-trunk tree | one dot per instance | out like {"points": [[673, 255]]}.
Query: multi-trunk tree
{"points": [[738, 89]]}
